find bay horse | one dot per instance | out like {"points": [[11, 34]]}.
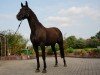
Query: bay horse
{"points": [[41, 36]]}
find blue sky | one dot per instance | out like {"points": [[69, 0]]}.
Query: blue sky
{"points": [[73, 17]]}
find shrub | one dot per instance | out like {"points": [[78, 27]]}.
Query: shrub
{"points": [[77, 52], [81, 52], [70, 50], [96, 50], [18, 52], [49, 50]]}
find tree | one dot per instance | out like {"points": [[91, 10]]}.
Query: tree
{"points": [[98, 35], [15, 42], [80, 43], [92, 42], [70, 41]]}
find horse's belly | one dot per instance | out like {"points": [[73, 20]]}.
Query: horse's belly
{"points": [[48, 43]]}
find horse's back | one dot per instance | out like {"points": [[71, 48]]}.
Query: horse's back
{"points": [[53, 31], [53, 34]]}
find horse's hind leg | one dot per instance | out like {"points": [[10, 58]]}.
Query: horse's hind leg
{"points": [[54, 50], [62, 53], [37, 57]]}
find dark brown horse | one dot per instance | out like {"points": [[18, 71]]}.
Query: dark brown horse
{"points": [[41, 36]]}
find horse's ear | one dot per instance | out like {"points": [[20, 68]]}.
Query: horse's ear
{"points": [[26, 3], [21, 4]]}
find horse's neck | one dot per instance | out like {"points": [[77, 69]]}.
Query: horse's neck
{"points": [[34, 24]]}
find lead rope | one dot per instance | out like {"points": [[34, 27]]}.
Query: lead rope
{"points": [[18, 27]]}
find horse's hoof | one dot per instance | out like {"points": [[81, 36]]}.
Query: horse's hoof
{"points": [[37, 70], [56, 66], [44, 71], [65, 65]]}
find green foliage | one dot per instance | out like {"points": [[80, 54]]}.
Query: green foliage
{"points": [[15, 42], [49, 50], [87, 49], [93, 42], [70, 41], [80, 52], [18, 52], [98, 35], [70, 50], [27, 52], [96, 50], [73, 42], [80, 43], [56, 47]]}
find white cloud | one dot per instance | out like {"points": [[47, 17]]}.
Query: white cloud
{"points": [[81, 12], [70, 11], [59, 20], [10, 16], [72, 15]]}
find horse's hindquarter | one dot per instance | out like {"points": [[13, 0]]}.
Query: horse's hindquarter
{"points": [[52, 35]]}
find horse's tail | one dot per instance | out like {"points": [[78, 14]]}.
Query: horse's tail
{"points": [[60, 42], [61, 50], [61, 46]]}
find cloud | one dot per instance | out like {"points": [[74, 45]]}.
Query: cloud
{"points": [[59, 20], [81, 12], [5, 17], [72, 15]]}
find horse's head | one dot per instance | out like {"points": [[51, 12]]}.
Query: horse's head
{"points": [[24, 12]]}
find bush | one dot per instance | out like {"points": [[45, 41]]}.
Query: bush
{"points": [[77, 52], [80, 43], [49, 50], [88, 49], [70, 50], [18, 52], [80, 52], [96, 50]]}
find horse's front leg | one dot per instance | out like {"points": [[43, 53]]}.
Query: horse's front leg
{"points": [[37, 57], [43, 57]]}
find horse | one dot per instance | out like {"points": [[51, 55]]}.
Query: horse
{"points": [[42, 36]]}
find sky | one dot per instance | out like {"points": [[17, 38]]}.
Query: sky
{"points": [[80, 18]]}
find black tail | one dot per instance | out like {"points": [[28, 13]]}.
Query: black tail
{"points": [[60, 42], [61, 47], [61, 50]]}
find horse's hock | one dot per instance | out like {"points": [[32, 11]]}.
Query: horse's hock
{"points": [[3, 45]]}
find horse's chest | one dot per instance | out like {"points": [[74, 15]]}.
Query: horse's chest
{"points": [[37, 39], [34, 40]]}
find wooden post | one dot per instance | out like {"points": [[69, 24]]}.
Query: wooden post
{"points": [[0, 46], [3, 48]]}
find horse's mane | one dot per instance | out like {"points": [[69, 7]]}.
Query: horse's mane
{"points": [[32, 13]]}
